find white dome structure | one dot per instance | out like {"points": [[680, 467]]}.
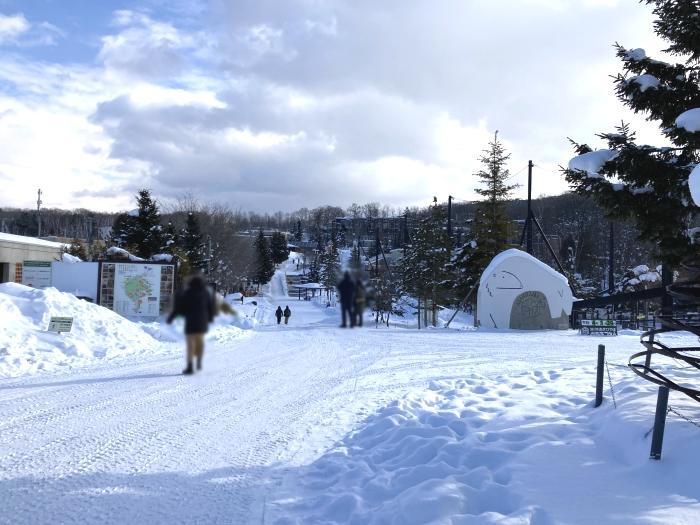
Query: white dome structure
{"points": [[517, 291]]}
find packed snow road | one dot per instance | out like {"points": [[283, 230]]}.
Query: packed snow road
{"points": [[137, 442]]}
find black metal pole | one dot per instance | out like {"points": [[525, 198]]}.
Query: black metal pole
{"points": [[528, 221], [449, 217], [657, 438], [599, 376], [611, 259], [666, 299]]}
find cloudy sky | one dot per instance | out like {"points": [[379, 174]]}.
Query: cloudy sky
{"points": [[269, 105]]}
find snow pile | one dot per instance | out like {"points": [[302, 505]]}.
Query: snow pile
{"points": [[694, 184], [591, 162], [504, 449], [645, 82], [68, 258], [162, 257], [689, 120], [120, 252], [97, 333]]}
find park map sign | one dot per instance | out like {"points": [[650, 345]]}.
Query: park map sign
{"points": [[137, 290]]}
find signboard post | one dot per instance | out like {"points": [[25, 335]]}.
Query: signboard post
{"points": [[36, 274], [60, 324]]}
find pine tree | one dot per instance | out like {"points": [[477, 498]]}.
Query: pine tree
{"points": [[278, 248], [298, 234], [78, 249], [191, 241], [329, 267], [145, 237], [122, 230], [648, 184], [425, 266], [489, 233], [264, 267], [170, 239]]}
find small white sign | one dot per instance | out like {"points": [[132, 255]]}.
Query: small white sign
{"points": [[60, 324]]}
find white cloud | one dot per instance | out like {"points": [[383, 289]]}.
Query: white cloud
{"points": [[302, 103], [12, 26]]}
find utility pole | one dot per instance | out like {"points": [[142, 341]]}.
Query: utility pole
{"points": [[611, 259], [528, 221], [38, 212], [449, 216]]}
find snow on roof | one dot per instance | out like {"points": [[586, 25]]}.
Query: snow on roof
{"points": [[646, 81], [592, 162], [694, 184], [689, 120], [515, 253], [162, 257], [636, 54], [120, 251], [8, 237], [68, 258]]}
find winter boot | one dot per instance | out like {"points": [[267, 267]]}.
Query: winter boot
{"points": [[199, 362], [189, 370]]}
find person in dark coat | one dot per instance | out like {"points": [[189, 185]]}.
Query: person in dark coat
{"points": [[346, 289], [196, 304], [278, 314], [287, 314]]}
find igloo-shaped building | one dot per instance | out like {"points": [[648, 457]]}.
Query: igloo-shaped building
{"points": [[520, 292]]}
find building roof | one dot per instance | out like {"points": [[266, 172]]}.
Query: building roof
{"points": [[21, 239]]}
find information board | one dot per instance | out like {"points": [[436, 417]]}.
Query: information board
{"points": [[137, 289], [36, 274]]}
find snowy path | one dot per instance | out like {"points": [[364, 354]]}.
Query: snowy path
{"points": [[139, 443]]}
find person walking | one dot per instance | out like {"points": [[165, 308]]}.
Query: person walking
{"points": [[287, 314], [278, 314], [360, 300], [346, 289], [196, 304]]}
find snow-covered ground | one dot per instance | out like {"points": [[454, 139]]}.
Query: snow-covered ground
{"points": [[310, 423]]}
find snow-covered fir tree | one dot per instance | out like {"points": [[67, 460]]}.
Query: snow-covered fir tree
{"points": [[329, 264], [141, 233], [278, 248], [489, 232], [264, 267], [649, 184], [425, 266], [191, 241]]}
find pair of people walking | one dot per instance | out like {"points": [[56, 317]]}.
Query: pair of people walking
{"points": [[353, 298], [286, 314], [196, 304]]}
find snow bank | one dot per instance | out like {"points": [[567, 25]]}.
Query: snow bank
{"points": [[526, 448], [68, 258], [689, 120], [97, 333], [592, 162]]}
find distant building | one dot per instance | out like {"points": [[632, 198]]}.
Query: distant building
{"points": [[18, 249]]}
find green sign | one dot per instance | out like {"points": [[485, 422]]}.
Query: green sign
{"points": [[60, 324]]}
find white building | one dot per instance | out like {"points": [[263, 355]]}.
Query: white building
{"points": [[15, 250]]}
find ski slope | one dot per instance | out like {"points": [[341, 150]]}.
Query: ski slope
{"points": [[310, 423]]}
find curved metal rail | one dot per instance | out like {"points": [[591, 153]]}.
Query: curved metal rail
{"points": [[686, 291]]}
